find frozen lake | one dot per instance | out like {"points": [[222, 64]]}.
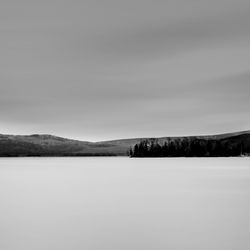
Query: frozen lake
{"points": [[119, 203]]}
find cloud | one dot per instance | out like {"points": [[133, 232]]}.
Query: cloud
{"points": [[170, 36], [124, 68]]}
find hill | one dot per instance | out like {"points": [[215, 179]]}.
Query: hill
{"points": [[49, 145]]}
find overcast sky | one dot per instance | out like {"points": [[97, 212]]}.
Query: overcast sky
{"points": [[96, 70]]}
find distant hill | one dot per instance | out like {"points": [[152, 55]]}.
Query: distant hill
{"points": [[49, 145]]}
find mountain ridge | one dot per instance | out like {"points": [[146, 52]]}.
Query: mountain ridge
{"points": [[51, 145]]}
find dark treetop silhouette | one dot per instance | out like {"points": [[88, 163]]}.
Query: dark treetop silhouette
{"points": [[191, 147]]}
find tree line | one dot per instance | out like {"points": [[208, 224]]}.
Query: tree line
{"points": [[188, 148]]}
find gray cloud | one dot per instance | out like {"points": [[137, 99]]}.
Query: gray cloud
{"points": [[98, 70], [167, 39]]}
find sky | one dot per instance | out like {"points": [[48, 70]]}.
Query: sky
{"points": [[99, 70]]}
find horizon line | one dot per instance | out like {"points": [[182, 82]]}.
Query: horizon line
{"points": [[129, 138]]}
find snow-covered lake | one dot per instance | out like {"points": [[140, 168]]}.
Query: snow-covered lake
{"points": [[117, 203]]}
